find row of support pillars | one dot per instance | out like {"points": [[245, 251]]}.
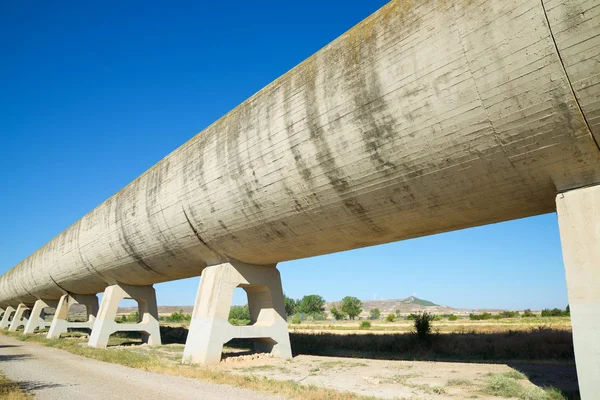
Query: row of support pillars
{"points": [[579, 222], [209, 328]]}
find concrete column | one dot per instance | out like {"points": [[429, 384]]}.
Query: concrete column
{"points": [[36, 320], [6, 317], [105, 324], [60, 324], [210, 329], [19, 318], [579, 222]]}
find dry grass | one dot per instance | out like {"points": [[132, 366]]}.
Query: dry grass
{"points": [[153, 363], [533, 345], [11, 391]]}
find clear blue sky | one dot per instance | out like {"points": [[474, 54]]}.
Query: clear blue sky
{"points": [[94, 93]]}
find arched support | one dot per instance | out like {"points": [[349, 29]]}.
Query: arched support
{"points": [[36, 319], [105, 324], [6, 317], [19, 319], [210, 329], [579, 222], [60, 324]]}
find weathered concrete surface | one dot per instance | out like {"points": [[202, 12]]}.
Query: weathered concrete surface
{"points": [[36, 318], [210, 328], [19, 318], [428, 116], [8, 312], [579, 222], [52, 374], [105, 324]]}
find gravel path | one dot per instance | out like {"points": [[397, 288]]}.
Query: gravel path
{"points": [[56, 374]]}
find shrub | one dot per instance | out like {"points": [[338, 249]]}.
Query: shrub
{"points": [[509, 314], [452, 317], [179, 316], [129, 318], [410, 317], [365, 325], [375, 313], [423, 324], [497, 316], [527, 314], [390, 317], [337, 313], [478, 317], [296, 319], [238, 315]]}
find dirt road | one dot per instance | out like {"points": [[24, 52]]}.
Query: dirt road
{"points": [[55, 374]]}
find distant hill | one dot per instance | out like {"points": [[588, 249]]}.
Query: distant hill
{"points": [[417, 301]]}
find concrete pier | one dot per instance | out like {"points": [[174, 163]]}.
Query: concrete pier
{"points": [[8, 312], [210, 328], [36, 318], [19, 319], [60, 324], [105, 324], [579, 222]]}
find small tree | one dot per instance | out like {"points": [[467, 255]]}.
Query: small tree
{"points": [[423, 324], [375, 313], [337, 313], [351, 306], [568, 311], [290, 305], [390, 317], [398, 313], [311, 304]]}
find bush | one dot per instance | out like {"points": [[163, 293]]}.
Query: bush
{"points": [[337, 313], [365, 325], [375, 314], [410, 317], [556, 312], [296, 319], [132, 318], [527, 314], [390, 317], [179, 316], [238, 314], [509, 314], [452, 317], [479, 317], [497, 316], [423, 324]]}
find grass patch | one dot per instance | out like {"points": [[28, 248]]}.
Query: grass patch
{"points": [[9, 390], [150, 362], [503, 385], [458, 382]]}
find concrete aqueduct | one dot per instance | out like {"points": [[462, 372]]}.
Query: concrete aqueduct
{"points": [[428, 116]]}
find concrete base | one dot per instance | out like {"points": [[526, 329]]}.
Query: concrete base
{"points": [[210, 329], [105, 324], [8, 312], [60, 324], [19, 319], [579, 222], [36, 319]]}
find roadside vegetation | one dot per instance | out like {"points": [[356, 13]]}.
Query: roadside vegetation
{"points": [[9, 390], [154, 363]]}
